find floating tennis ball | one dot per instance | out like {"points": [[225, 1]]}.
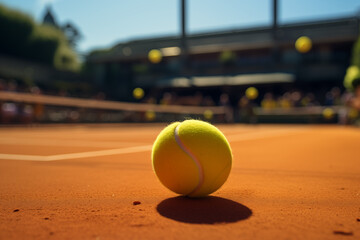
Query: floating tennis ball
{"points": [[352, 73], [155, 56], [328, 113], [138, 93], [150, 115], [191, 158], [208, 114], [251, 93], [303, 44]]}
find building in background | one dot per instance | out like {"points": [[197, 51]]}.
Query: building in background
{"points": [[229, 60]]}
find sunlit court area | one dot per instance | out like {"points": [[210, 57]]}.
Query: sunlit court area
{"points": [[179, 119]]}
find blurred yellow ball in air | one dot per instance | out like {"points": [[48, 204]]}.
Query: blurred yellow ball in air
{"points": [[155, 56], [352, 73], [328, 113], [303, 44], [150, 115], [208, 114], [138, 93], [251, 93]]}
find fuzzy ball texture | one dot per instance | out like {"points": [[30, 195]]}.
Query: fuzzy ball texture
{"points": [[192, 158]]}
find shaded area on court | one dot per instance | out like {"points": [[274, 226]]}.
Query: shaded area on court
{"points": [[208, 210]]}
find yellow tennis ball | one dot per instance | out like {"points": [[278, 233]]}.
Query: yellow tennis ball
{"points": [[150, 115], [303, 44], [328, 113], [208, 114], [155, 56], [191, 158], [352, 73], [138, 93], [251, 93]]}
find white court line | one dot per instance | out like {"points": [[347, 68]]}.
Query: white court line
{"points": [[23, 157], [144, 148], [76, 155], [64, 143], [101, 153]]}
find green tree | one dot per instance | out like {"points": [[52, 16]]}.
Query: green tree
{"points": [[21, 37], [16, 29], [72, 33]]}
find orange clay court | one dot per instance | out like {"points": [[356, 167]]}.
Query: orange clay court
{"points": [[97, 182]]}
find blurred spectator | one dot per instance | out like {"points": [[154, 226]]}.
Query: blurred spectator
{"points": [[2, 85], [35, 90], [329, 99], [246, 110], [195, 100], [15, 112], [336, 94], [355, 100], [100, 96], [333, 97], [207, 101], [225, 102], [343, 112], [12, 86], [9, 111], [268, 101], [285, 101], [150, 100], [63, 93], [309, 100], [25, 113], [166, 99], [296, 99]]}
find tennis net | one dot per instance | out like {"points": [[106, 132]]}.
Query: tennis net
{"points": [[27, 108]]}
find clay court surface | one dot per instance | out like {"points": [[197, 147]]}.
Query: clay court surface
{"points": [[81, 182]]}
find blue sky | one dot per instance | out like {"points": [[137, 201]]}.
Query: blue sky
{"points": [[106, 22]]}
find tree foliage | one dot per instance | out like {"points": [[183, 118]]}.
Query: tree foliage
{"points": [[21, 37], [16, 29], [72, 33]]}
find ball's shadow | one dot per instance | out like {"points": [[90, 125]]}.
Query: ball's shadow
{"points": [[208, 210]]}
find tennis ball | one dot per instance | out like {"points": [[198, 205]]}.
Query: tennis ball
{"points": [[191, 158], [155, 56], [251, 93], [303, 44], [352, 73], [138, 93], [208, 114], [150, 115], [328, 113]]}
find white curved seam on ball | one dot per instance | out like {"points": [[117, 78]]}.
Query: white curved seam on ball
{"points": [[192, 156]]}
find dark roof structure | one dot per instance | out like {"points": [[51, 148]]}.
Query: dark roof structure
{"points": [[336, 30]]}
